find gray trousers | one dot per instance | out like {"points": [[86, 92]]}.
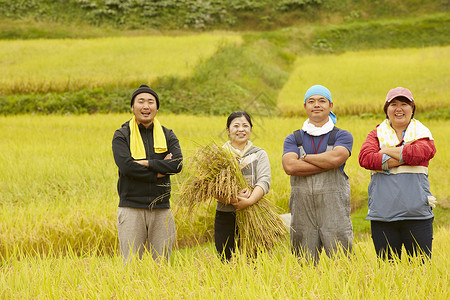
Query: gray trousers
{"points": [[142, 229], [320, 208]]}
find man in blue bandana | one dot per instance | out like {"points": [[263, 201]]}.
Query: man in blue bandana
{"points": [[315, 157]]}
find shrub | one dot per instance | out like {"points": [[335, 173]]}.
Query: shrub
{"points": [[418, 32]]}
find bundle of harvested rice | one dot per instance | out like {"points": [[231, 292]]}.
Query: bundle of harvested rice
{"points": [[215, 173]]}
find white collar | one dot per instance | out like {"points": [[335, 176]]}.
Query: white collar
{"points": [[317, 131], [237, 152]]}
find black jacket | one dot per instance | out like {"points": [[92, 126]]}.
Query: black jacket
{"points": [[138, 186]]}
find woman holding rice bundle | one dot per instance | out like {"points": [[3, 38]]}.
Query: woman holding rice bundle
{"points": [[400, 203], [255, 168]]}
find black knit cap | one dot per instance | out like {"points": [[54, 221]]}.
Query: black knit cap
{"points": [[145, 89]]}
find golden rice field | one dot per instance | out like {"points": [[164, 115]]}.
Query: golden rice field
{"points": [[29, 66], [58, 178], [197, 273], [359, 81], [58, 198]]}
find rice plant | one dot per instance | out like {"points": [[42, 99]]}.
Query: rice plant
{"points": [[42, 66], [58, 178], [198, 273], [216, 174]]}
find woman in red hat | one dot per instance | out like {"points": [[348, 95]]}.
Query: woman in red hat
{"points": [[400, 202]]}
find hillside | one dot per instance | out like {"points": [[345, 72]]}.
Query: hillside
{"points": [[254, 15]]}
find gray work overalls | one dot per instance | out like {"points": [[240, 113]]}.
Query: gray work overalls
{"points": [[320, 209]]}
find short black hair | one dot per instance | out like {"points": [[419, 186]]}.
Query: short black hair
{"points": [[238, 114]]}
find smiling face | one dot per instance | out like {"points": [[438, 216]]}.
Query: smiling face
{"points": [[318, 108], [239, 132], [399, 113], [144, 108]]}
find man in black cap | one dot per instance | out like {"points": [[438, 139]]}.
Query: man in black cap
{"points": [[146, 154]]}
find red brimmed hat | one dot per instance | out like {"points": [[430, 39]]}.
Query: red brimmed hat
{"points": [[399, 92]]}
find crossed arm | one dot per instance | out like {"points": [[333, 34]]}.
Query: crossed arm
{"points": [[394, 153], [146, 170], [314, 163], [370, 155], [145, 163], [414, 154]]}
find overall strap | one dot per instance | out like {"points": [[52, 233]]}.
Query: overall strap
{"points": [[298, 137], [332, 137]]}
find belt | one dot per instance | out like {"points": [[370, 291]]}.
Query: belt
{"points": [[406, 169]]}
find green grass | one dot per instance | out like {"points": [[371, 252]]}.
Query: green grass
{"points": [[236, 77], [359, 81], [422, 31], [194, 15], [28, 28]]}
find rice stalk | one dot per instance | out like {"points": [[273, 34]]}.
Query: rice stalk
{"points": [[259, 227], [215, 173]]}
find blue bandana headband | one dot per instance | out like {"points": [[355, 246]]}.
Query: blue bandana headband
{"points": [[322, 91]]}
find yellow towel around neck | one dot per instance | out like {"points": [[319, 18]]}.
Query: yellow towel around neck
{"points": [[159, 139], [137, 148], [415, 131]]}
